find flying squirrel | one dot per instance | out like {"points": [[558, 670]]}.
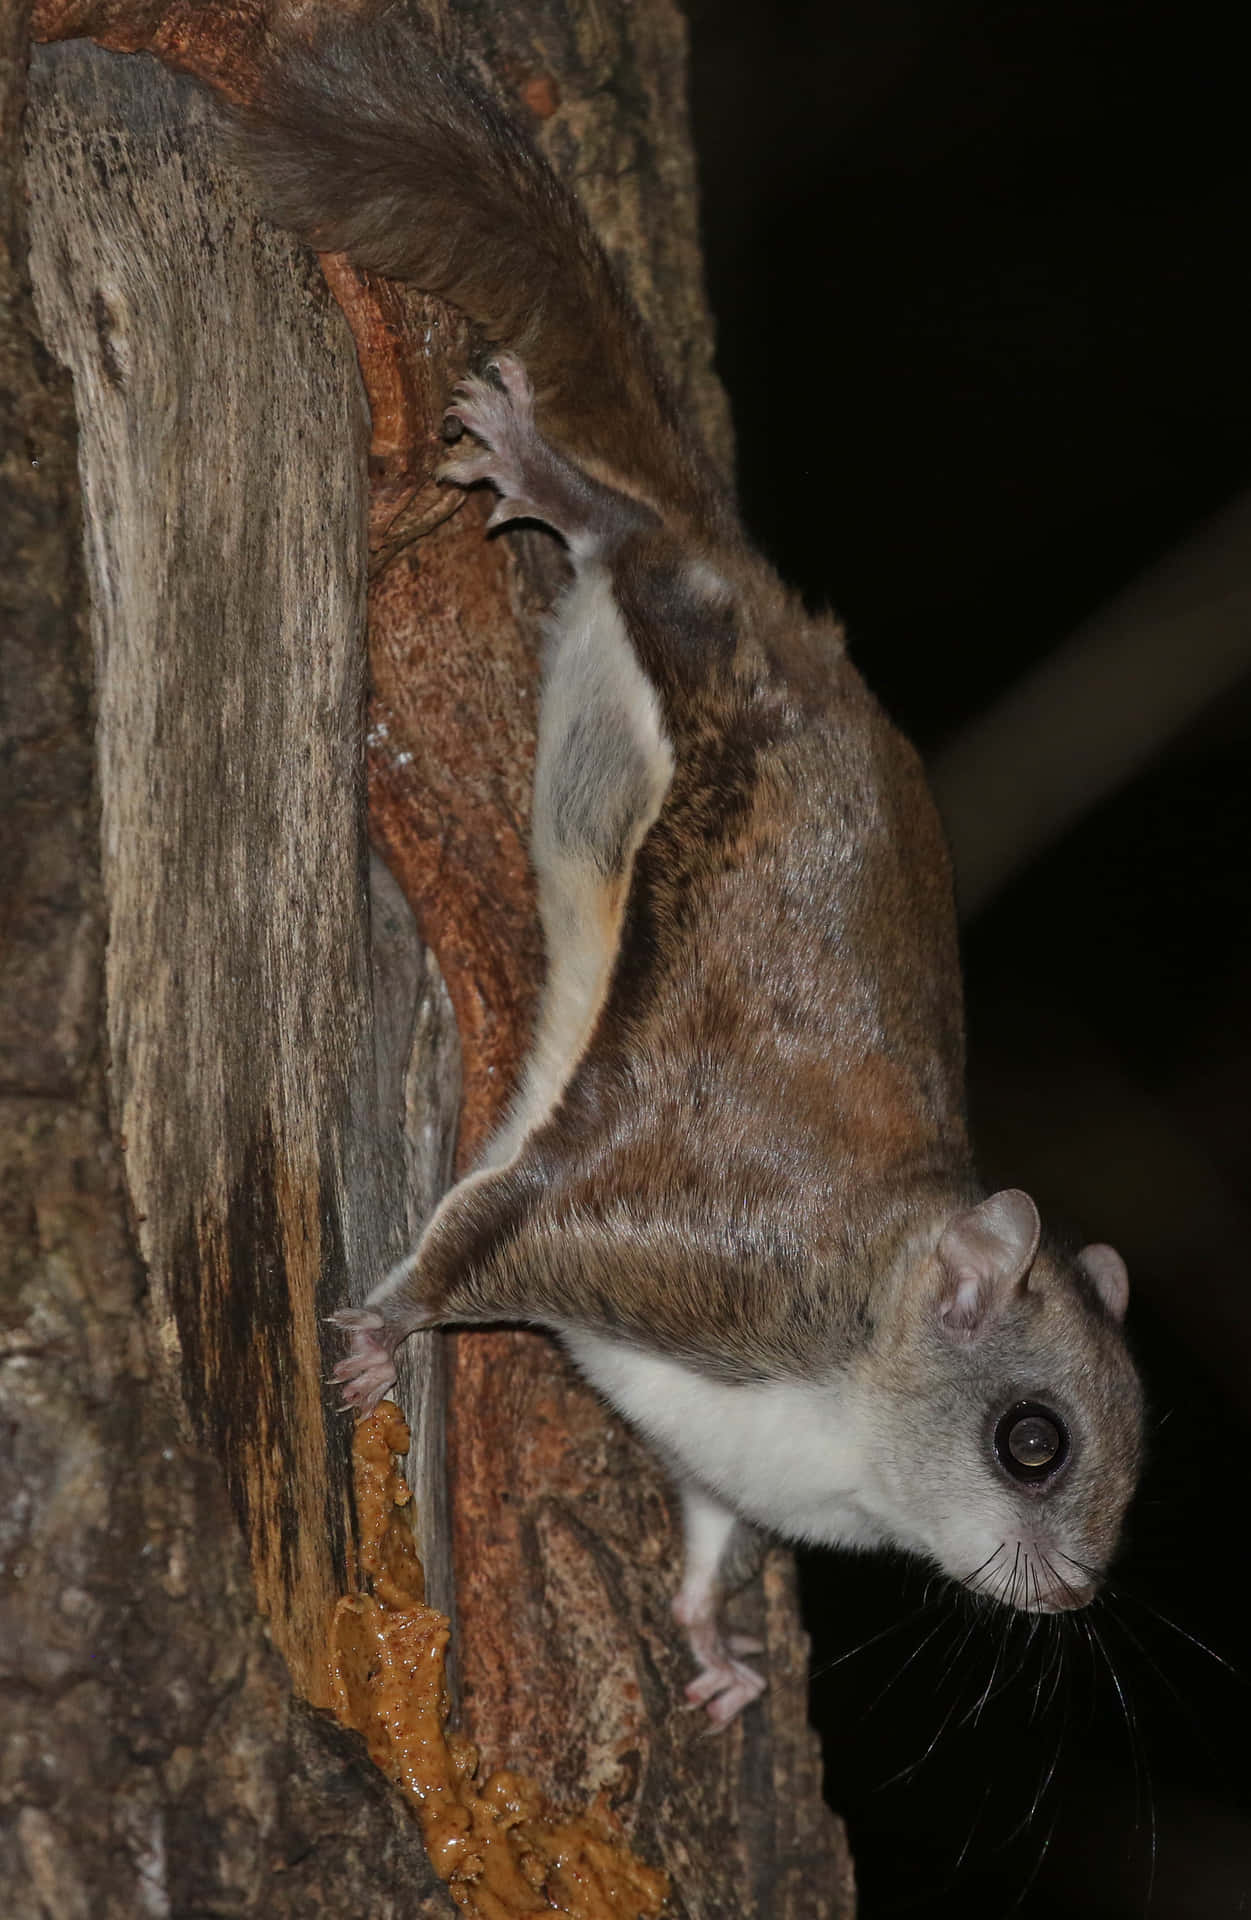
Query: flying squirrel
{"points": [[735, 1181]]}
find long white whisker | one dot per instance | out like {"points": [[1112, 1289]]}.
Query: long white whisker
{"points": [[974, 1580], [1037, 1868], [1142, 1771], [976, 1713], [899, 1671], [1123, 1593], [1057, 1661], [914, 1766], [968, 1838], [828, 1666]]}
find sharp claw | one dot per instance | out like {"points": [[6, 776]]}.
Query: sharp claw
{"points": [[352, 1368], [513, 378], [365, 1394]]}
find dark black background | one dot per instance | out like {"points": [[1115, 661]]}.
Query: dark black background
{"points": [[979, 275]]}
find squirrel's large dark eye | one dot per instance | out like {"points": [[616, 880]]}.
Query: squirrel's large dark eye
{"points": [[1031, 1442]]}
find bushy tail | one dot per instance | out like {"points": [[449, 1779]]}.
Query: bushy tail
{"points": [[366, 140]]}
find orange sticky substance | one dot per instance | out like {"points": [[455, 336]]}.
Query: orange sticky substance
{"points": [[500, 1847]]}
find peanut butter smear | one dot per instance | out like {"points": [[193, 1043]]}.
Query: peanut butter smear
{"points": [[501, 1848]]}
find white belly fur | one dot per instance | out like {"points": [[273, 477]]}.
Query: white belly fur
{"points": [[592, 681], [787, 1456]]}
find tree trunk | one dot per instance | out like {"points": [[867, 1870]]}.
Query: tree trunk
{"points": [[231, 1069]]}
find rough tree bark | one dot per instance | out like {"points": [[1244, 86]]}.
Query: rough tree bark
{"points": [[231, 1071]]}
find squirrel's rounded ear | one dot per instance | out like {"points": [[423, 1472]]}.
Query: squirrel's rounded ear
{"points": [[1108, 1275], [985, 1254]]}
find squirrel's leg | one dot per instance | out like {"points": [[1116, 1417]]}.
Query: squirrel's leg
{"points": [[715, 1540]]}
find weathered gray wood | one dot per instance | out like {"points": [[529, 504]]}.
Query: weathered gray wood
{"points": [[155, 1760], [223, 434]]}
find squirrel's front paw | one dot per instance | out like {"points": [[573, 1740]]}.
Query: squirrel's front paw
{"points": [[367, 1371], [501, 418]]}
